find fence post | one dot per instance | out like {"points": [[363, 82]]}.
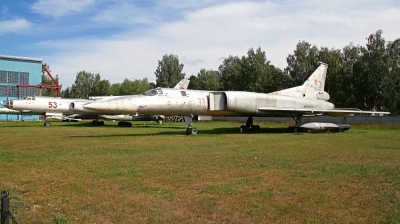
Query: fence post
{"points": [[5, 207]]}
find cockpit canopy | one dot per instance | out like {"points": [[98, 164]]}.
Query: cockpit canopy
{"points": [[153, 92]]}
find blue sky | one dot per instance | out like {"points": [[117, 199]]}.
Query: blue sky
{"points": [[125, 39]]}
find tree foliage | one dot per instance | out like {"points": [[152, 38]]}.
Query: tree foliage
{"points": [[252, 73], [302, 63], [129, 87], [87, 84], [194, 83], [208, 80], [169, 71]]}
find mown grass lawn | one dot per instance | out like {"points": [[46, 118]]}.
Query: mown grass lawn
{"points": [[75, 173]]}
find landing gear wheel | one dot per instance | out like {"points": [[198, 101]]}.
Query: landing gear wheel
{"points": [[191, 131], [101, 123], [46, 123]]}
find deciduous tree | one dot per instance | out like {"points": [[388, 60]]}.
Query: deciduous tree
{"points": [[169, 71]]}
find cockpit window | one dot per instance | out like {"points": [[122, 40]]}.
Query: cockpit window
{"points": [[153, 92]]}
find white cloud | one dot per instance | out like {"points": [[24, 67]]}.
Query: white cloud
{"points": [[205, 36], [14, 26], [58, 8]]}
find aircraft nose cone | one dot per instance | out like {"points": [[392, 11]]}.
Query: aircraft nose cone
{"points": [[112, 107]]}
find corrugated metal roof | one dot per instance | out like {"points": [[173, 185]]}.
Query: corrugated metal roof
{"points": [[20, 58]]}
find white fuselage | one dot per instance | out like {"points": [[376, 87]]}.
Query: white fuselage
{"points": [[212, 103]]}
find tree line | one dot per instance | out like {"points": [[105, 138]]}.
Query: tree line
{"points": [[365, 77]]}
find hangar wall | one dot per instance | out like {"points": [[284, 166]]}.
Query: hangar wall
{"points": [[14, 71]]}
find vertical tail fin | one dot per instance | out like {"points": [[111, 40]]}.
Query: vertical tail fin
{"points": [[316, 82], [313, 88], [183, 84]]}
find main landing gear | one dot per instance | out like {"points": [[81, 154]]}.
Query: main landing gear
{"points": [[190, 130], [249, 127], [296, 127], [96, 122], [46, 123]]}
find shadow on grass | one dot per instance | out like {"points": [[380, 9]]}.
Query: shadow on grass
{"points": [[107, 125], [182, 132]]}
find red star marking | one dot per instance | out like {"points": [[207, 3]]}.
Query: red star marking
{"points": [[316, 81], [180, 87]]}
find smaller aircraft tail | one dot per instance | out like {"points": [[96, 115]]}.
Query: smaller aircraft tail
{"points": [[183, 84], [316, 82], [313, 88]]}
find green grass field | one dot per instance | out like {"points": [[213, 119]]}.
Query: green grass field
{"points": [[75, 173]]}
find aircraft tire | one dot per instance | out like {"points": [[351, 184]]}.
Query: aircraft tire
{"points": [[188, 130], [46, 123], [193, 131], [128, 124], [256, 128], [101, 123]]}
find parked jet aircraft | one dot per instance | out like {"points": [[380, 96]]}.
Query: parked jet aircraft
{"points": [[308, 99], [56, 107]]}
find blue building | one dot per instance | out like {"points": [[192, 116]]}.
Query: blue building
{"points": [[16, 73]]}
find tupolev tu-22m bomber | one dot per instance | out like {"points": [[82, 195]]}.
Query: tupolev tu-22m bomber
{"points": [[309, 99]]}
